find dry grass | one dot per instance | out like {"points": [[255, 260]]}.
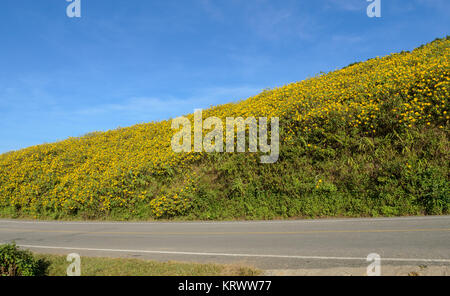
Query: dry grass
{"points": [[99, 266]]}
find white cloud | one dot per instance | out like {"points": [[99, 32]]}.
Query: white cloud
{"points": [[211, 10], [274, 23], [440, 4], [347, 5], [149, 108], [346, 39]]}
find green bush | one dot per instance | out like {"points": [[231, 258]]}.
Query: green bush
{"points": [[16, 262]]}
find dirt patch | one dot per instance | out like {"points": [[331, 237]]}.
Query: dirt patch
{"points": [[388, 270]]}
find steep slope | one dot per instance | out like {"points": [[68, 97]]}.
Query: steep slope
{"points": [[370, 139]]}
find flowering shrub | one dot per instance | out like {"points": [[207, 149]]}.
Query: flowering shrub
{"points": [[169, 206], [130, 167]]}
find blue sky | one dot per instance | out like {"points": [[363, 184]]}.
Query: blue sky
{"points": [[130, 61]]}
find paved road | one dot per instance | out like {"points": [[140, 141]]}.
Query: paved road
{"points": [[266, 244]]}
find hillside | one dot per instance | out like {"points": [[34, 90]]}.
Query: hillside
{"points": [[371, 139]]}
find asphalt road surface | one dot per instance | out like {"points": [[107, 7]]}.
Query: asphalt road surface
{"points": [[263, 244]]}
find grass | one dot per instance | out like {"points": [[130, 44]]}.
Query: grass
{"points": [[100, 266]]}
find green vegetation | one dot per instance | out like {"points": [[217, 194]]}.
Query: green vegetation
{"points": [[16, 262], [97, 266], [371, 139]]}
